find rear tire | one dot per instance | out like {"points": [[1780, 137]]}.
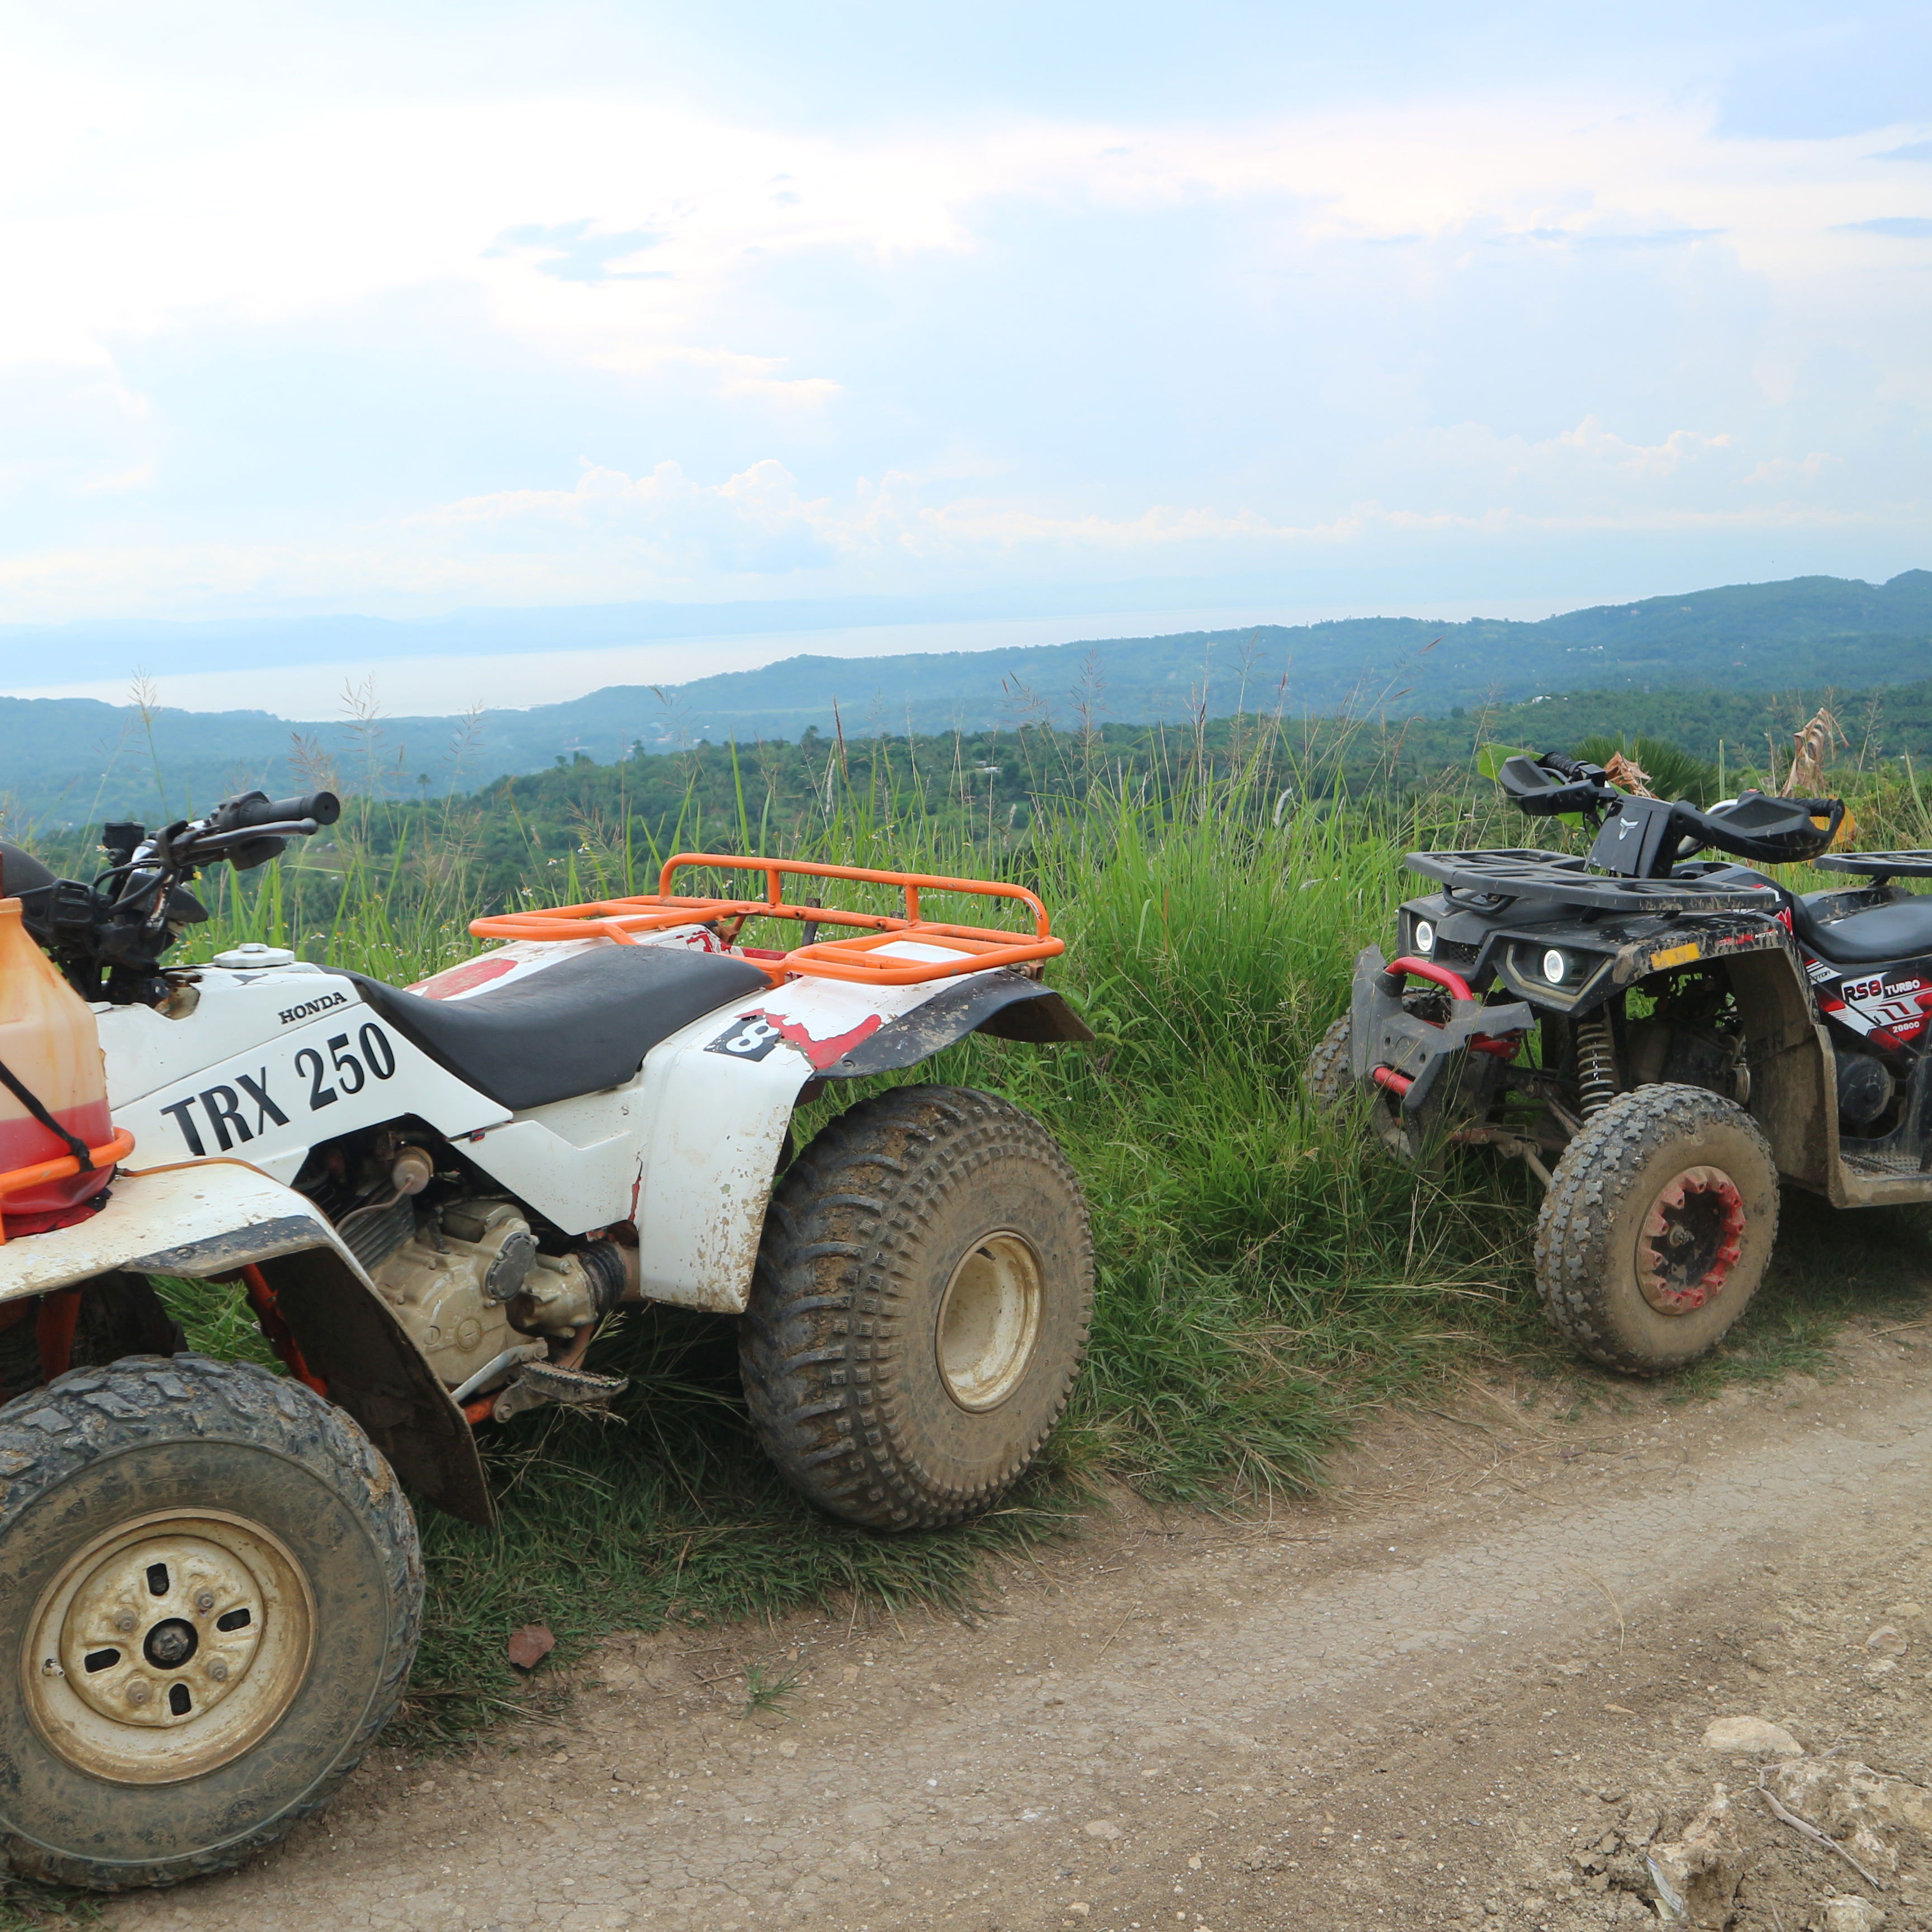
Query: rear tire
{"points": [[1657, 1228], [919, 1308], [210, 1592]]}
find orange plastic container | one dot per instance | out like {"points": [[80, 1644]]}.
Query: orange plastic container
{"points": [[49, 1043]]}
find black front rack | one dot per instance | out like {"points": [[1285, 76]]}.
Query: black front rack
{"points": [[1878, 865], [1531, 874]]}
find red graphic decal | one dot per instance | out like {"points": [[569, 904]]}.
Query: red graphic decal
{"points": [[823, 1052], [472, 973]]}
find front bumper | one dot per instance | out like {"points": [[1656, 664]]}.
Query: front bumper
{"points": [[1400, 1051]]}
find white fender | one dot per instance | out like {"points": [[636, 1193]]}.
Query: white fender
{"points": [[209, 1218]]}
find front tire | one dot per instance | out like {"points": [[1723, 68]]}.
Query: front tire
{"points": [[210, 1592], [1330, 1082], [1657, 1228], [919, 1308]]}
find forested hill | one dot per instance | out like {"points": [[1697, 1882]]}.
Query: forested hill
{"points": [[76, 760], [1807, 631]]}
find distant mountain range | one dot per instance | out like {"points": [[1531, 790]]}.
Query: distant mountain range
{"points": [[75, 761]]}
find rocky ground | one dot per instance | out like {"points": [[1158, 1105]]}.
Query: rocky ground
{"points": [[1494, 1678]]}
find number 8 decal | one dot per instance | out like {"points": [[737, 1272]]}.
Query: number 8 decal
{"points": [[751, 1037]]}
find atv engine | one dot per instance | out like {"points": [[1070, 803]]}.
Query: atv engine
{"points": [[1691, 1039], [465, 1275], [469, 1282]]}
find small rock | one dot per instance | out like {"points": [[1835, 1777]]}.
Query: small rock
{"points": [[528, 1646], [1906, 1613], [1849, 1914], [1864, 1809], [1101, 1828], [1194, 1862], [1754, 1737], [1697, 1873], [1887, 1640]]}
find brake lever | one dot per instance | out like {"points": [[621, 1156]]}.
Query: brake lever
{"points": [[215, 843]]}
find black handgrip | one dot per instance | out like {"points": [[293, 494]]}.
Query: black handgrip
{"points": [[1578, 771], [255, 808]]}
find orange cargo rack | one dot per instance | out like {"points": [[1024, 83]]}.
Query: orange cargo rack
{"points": [[858, 958], [118, 1149]]}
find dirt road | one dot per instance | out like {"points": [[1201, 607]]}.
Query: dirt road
{"points": [[1496, 1646]]}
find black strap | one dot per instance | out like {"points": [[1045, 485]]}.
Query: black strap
{"points": [[76, 1145]]}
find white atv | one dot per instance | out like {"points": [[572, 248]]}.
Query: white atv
{"points": [[433, 1197]]}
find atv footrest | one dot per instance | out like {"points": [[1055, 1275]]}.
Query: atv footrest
{"points": [[537, 1383]]}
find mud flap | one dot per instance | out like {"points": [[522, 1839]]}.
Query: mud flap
{"points": [[350, 1340], [1403, 1053]]}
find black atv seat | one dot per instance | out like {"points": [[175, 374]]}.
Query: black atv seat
{"points": [[1876, 938], [576, 1027]]}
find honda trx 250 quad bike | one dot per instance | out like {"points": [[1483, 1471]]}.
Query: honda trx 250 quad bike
{"points": [[209, 1580], [1663, 1039]]}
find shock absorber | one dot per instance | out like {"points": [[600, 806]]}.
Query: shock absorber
{"points": [[1596, 1062]]}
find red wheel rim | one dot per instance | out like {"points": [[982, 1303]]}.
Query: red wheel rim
{"points": [[1691, 1239]]}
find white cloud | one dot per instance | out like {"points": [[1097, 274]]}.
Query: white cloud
{"points": [[615, 537], [801, 310]]}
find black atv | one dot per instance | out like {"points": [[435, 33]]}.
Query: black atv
{"points": [[1663, 1038]]}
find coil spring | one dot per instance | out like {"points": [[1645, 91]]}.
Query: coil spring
{"points": [[1596, 1063]]}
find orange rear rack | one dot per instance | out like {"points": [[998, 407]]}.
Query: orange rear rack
{"points": [[118, 1149], [974, 948]]}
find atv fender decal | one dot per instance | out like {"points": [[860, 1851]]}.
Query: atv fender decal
{"points": [[465, 978], [753, 1035]]}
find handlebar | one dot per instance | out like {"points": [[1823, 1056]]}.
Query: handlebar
{"points": [[255, 812], [1765, 831]]}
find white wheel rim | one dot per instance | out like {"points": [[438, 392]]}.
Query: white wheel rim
{"points": [[989, 1320], [168, 1647]]}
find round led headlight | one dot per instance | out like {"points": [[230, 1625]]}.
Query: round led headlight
{"points": [[1555, 965], [1425, 936]]}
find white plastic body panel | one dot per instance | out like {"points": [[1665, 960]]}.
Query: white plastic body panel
{"points": [[267, 1065], [172, 1208], [718, 1100], [273, 1061]]}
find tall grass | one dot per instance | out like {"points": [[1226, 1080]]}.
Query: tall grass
{"points": [[1260, 1281]]}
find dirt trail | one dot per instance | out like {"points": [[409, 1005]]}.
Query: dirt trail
{"points": [[1409, 1703]]}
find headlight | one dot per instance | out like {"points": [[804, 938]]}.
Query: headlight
{"points": [[1555, 966], [1424, 936]]}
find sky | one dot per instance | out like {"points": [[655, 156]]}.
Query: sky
{"points": [[410, 308]]}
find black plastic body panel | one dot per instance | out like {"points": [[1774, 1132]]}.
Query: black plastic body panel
{"points": [[1006, 1004]]}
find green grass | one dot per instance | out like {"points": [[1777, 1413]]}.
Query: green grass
{"points": [[1264, 1281]]}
